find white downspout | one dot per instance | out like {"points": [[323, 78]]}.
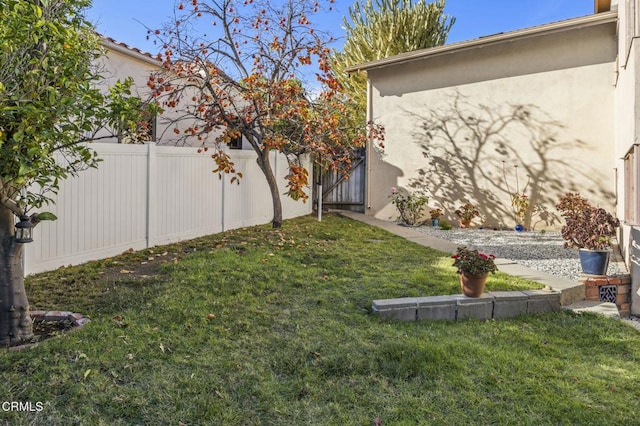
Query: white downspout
{"points": [[222, 203], [320, 196]]}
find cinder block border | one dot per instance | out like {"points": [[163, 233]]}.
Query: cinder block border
{"points": [[491, 305]]}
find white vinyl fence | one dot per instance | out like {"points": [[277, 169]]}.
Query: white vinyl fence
{"points": [[146, 195]]}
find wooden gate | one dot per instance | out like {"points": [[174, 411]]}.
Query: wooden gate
{"points": [[340, 192]]}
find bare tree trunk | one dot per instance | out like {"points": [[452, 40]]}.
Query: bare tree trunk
{"points": [[265, 166], [15, 321]]}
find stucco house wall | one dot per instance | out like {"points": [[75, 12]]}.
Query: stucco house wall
{"points": [[627, 151], [122, 61], [473, 122]]}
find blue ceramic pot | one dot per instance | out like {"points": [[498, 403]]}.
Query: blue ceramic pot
{"points": [[594, 262]]}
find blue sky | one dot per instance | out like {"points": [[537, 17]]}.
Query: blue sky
{"points": [[125, 20]]}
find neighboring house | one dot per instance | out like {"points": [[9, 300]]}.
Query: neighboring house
{"points": [[541, 111], [122, 61]]}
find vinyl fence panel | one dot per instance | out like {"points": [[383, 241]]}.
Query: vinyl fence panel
{"points": [[146, 195], [185, 197]]}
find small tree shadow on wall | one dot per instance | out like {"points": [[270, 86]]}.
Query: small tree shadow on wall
{"points": [[474, 151]]}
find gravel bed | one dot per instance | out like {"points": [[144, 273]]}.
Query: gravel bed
{"points": [[536, 250]]}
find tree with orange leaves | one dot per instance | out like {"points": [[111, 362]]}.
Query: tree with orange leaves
{"points": [[245, 79]]}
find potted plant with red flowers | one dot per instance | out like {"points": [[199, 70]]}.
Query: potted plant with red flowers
{"points": [[589, 229], [474, 268]]}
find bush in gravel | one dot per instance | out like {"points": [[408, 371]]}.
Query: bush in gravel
{"points": [[410, 206]]}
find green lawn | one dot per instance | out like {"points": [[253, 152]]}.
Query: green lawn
{"points": [[261, 326]]}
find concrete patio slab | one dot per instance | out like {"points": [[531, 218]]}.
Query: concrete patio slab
{"points": [[607, 309]]}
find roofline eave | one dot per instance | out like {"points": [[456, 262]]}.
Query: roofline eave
{"points": [[566, 25], [130, 51]]}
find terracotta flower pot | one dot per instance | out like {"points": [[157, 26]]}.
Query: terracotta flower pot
{"points": [[473, 286], [464, 223]]}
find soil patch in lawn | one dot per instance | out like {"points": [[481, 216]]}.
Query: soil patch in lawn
{"points": [[51, 324]]}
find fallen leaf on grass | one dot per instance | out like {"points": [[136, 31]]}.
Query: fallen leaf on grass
{"points": [[80, 355], [119, 321]]}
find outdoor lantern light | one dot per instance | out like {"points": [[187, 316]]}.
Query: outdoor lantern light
{"points": [[24, 230]]}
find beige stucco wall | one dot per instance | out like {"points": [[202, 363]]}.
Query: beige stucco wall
{"points": [[560, 86], [119, 63], [628, 134]]}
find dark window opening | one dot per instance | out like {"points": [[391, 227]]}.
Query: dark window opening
{"points": [[236, 143]]}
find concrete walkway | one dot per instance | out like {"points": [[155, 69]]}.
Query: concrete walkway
{"points": [[572, 293]]}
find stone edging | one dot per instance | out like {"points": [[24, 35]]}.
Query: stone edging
{"points": [[77, 320], [491, 305]]}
